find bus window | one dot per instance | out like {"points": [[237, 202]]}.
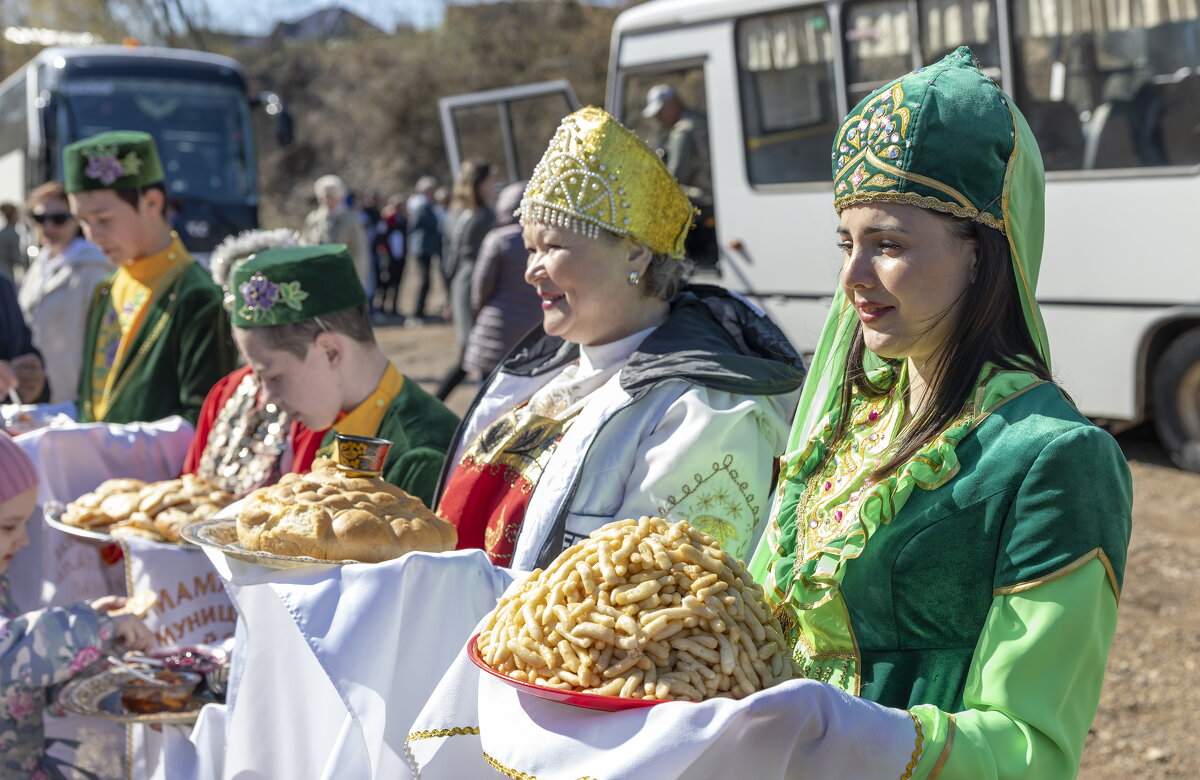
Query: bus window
{"points": [[480, 137], [1115, 86], [948, 24], [13, 127], [785, 72], [202, 129], [879, 36]]}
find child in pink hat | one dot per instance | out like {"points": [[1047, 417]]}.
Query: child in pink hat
{"points": [[47, 646]]}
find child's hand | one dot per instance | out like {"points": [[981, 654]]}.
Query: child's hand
{"points": [[108, 603], [132, 633]]}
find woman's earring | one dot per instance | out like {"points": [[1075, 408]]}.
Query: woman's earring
{"points": [[634, 278]]}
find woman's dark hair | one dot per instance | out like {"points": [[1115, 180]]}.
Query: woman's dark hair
{"points": [[991, 329], [466, 186]]}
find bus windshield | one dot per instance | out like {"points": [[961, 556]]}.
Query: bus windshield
{"points": [[202, 129]]}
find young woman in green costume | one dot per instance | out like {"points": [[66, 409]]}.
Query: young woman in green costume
{"points": [[949, 535]]}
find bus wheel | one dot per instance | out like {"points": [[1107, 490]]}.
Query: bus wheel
{"points": [[1177, 400]]}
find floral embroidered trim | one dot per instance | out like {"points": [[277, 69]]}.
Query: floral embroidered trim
{"points": [[716, 511], [686, 489], [105, 167], [918, 749], [870, 145]]}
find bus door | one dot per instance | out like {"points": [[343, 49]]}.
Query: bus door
{"points": [[667, 106], [512, 125], [767, 85]]}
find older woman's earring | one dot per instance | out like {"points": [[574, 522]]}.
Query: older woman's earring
{"points": [[634, 278]]}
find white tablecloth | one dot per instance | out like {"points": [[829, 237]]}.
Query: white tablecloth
{"points": [[360, 672], [475, 725], [332, 665], [58, 569]]}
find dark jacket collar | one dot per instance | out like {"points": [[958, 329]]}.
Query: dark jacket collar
{"points": [[711, 338]]}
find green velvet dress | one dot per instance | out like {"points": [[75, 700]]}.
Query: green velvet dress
{"points": [[1038, 489], [181, 350], [975, 587]]}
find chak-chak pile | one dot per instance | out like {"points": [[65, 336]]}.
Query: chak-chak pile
{"points": [[642, 609]]}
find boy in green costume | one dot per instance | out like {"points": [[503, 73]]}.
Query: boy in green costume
{"points": [[156, 339], [300, 318]]}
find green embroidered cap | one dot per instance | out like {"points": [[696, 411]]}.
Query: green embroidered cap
{"points": [[278, 286], [116, 160], [939, 137]]}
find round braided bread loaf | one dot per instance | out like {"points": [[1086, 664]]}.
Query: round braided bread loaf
{"points": [[327, 515]]}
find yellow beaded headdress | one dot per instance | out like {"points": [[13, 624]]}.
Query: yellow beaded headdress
{"points": [[596, 174]]}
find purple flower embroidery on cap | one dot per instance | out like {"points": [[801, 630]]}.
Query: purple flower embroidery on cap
{"points": [[260, 294], [104, 167]]}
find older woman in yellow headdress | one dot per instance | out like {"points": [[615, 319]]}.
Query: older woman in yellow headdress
{"points": [[638, 394]]}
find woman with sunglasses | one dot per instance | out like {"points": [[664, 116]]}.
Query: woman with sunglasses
{"points": [[58, 287]]}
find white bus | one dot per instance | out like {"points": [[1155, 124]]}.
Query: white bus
{"points": [[1111, 87]]}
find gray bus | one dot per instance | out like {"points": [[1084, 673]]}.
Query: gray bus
{"points": [[195, 105]]}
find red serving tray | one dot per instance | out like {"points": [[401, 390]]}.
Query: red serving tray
{"points": [[589, 701]]}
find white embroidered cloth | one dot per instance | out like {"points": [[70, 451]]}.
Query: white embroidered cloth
{"points": [[332, 665], [58, 569], [475, 725]]}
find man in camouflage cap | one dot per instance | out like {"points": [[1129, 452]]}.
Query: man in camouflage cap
{"points": [[156, 337]]}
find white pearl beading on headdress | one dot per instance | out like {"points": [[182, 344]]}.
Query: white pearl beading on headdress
{"points": [[574, 191]]}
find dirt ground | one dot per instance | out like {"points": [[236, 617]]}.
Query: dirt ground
{"points": [[1144, 728]]}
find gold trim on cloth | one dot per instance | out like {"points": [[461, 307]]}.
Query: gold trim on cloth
{"points": [[951, 728], [882, 126], [1083, 560], [598, 175], [506, 771], [513, 773], [457, 731], [918, 748]]}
